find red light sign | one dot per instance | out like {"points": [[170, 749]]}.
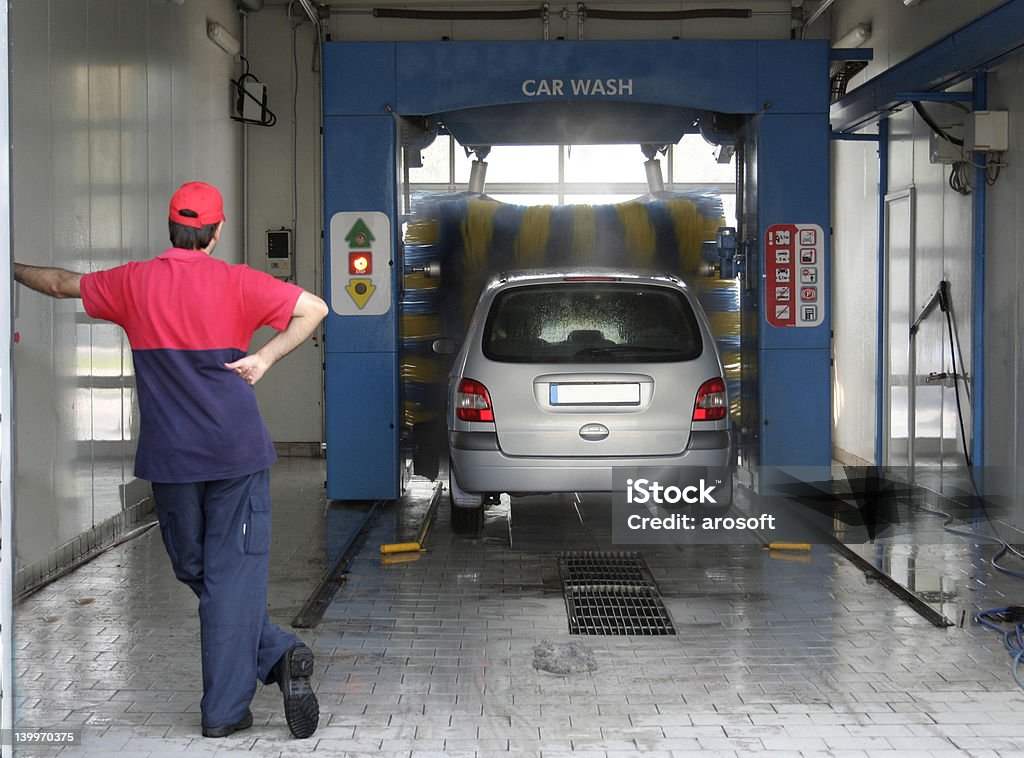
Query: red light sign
{"points": [[360, 264]]}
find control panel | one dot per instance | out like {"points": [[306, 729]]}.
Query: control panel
{"points": [[360, 263], [279, 253]]}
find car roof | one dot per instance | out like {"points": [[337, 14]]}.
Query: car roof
{"points": [[557, 274]]}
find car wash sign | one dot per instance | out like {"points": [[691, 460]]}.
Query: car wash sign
{"points": [[562, 88], [794, 279], [360, 263]]}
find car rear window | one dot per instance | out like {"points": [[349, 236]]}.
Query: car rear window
{"points": [[591, 322]]}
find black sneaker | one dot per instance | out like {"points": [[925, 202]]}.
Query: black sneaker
{"points": [[226, 729], [301, 709]]}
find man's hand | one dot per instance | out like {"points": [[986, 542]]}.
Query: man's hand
{"points": [[251, 368], [309, 311]]}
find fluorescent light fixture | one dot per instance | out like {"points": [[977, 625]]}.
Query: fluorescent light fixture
{"points": [[222, 37], [856, 37]]}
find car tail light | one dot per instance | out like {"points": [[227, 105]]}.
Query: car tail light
{"points": [[710, 403], [472, 403]]}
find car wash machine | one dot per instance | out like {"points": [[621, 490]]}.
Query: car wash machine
{"points": [[384, 101]]}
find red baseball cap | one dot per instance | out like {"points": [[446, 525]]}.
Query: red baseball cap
{"points": [[196, 204]]}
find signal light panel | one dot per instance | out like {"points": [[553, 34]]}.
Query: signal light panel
{"points": [[360, 285]]}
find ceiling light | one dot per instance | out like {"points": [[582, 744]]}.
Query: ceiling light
{"points": [[856, 37], [222, 37]]}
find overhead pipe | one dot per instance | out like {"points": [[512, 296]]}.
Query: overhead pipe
{"points": [[689, 15], [312, 12], [513, 15], [542, 12]]}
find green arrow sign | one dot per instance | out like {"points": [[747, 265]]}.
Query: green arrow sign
{"points": [[359, 235]]}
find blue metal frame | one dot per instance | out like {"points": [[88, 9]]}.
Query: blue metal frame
{"points": [[783, 83], [953, 59], [978, 291], [883, 190]]}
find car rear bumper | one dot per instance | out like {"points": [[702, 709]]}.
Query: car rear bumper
{"points": [[483, 467]]}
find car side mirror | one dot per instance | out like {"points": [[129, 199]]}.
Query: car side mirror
{"points": [[445, 346]]}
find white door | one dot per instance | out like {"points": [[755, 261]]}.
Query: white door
{"points": [[899, 361]]}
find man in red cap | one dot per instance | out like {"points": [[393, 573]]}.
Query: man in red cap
{"points": [[189, 318]]}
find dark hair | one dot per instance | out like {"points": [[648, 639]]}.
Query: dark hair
{"points": [[190, 237]]}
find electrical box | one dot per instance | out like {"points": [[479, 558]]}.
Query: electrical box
{"points": [[279, 253], [987, 131]]}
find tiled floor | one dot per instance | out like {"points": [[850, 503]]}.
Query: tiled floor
{"points": [[792, 654]]}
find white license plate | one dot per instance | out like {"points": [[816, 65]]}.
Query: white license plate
{"points": [[595, 394]]}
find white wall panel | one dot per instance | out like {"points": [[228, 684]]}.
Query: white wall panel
{"points": [[114, 102], [162, 47], [36, 383], [290, 395], [855, 299]]}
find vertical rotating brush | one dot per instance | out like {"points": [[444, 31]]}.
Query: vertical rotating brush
{"points": [[422, 372]]}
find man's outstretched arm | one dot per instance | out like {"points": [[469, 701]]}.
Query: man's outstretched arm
{"points": [[55, 282], [309, 311]]}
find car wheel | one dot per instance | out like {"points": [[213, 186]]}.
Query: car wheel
{"points": [[467, 508]]}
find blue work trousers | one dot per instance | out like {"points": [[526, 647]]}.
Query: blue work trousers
{"points": [[217, 535]]}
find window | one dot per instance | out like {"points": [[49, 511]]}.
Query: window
{"points": [[576, 174], [591, 322]]}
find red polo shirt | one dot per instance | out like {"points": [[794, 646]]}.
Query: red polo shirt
{"points": [[186, 315]]}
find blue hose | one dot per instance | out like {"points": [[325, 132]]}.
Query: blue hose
{"points": [[1013, 639]]}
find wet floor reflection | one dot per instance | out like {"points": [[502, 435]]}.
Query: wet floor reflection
{"points": [[938, 548]]}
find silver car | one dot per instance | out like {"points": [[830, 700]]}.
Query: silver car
{"points": [[565, 375]]}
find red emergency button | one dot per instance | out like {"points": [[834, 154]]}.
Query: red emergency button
{"points": [[360, 263]]}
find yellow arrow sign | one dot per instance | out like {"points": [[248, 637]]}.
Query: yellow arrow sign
{"points": [[360, 290]]}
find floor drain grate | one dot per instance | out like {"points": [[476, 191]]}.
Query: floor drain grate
{"points": [[611, 593]]}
